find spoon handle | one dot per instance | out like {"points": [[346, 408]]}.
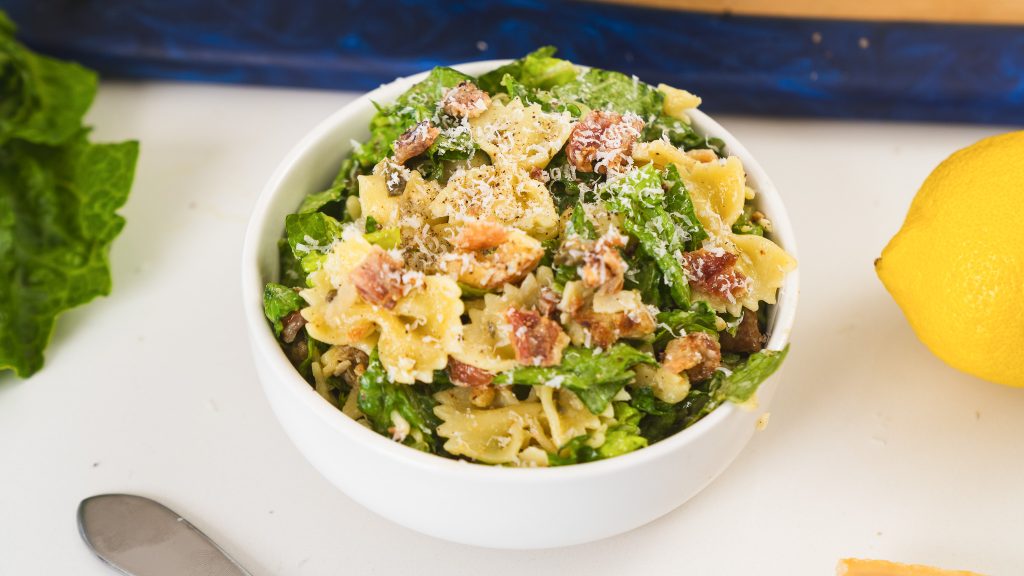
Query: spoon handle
{"points": [[140, 537]]}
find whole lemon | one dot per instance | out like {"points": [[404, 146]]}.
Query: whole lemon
{"points": [[956, 267]]}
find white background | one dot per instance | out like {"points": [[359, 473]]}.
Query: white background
{"points": [[874, 448]]}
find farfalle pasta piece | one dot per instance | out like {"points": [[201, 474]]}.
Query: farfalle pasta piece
{"points": [[718, 190], [525, 136], [414, 337], [491, 435], [502, 192], [566, 416], [717, 187], [765, 264], [677, 102], [486, 340], [666, 386], [662, 153], [375, 202]]}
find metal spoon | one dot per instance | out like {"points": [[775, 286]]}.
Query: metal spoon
{"points": [[139, 537]]}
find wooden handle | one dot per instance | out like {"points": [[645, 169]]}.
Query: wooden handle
{"points": [[1003, 12]]}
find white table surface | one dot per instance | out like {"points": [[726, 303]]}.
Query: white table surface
{"points": [[874, 448]]}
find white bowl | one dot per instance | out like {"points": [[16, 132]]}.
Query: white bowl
{"points": [[470, 503]]}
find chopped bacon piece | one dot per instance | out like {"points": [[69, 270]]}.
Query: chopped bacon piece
{"points": [[463, 374], [748, 338], [509, 262], [480, 235], [378, 279], [605, 328], [714, 273], [697, 354], [547, 303], [415, 141], [603, 141], [538, 341], [466, 100], [292, 324], [603, 266]]}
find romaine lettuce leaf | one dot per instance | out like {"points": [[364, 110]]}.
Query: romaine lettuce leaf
{"points": [[662, 419], [278, 302], [639, 197], [609, 90], [577, 225], [416, 104], [674, 323], [594, 376], [290, 272], [57, 222], [744, 224], [622, 436], [680, 134], [42, 100], [539, 69], [558, 85], [742, 383], [575, 451], [567, 186], [680, 207], [386, 238], [625, 435], [379, 397], [58, 197], [311, 232]]}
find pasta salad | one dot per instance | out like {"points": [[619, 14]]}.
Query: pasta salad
{"points": [[541, 266]]}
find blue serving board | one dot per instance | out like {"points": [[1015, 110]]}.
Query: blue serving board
{"points": [[772, 66]]}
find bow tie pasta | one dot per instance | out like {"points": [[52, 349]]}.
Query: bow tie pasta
{"points": [[414, 337]]}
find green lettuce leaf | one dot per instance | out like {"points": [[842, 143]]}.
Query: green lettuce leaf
{"points": [[386, 238], [558, 85], [567, 186], [42, 100], [744, 225], [662, 419], [318, 201], [680, 206], [639, 197], [278, 302], [57, 222], [674, 323], [379, 397], [290, 272], [577, 225], [609, 90], [743, 382], [345, 184], [310, 236], [623, 436], [596, 377], [415, 105], [575, 451], [58, 197], [680, 134], [537, 70]]}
